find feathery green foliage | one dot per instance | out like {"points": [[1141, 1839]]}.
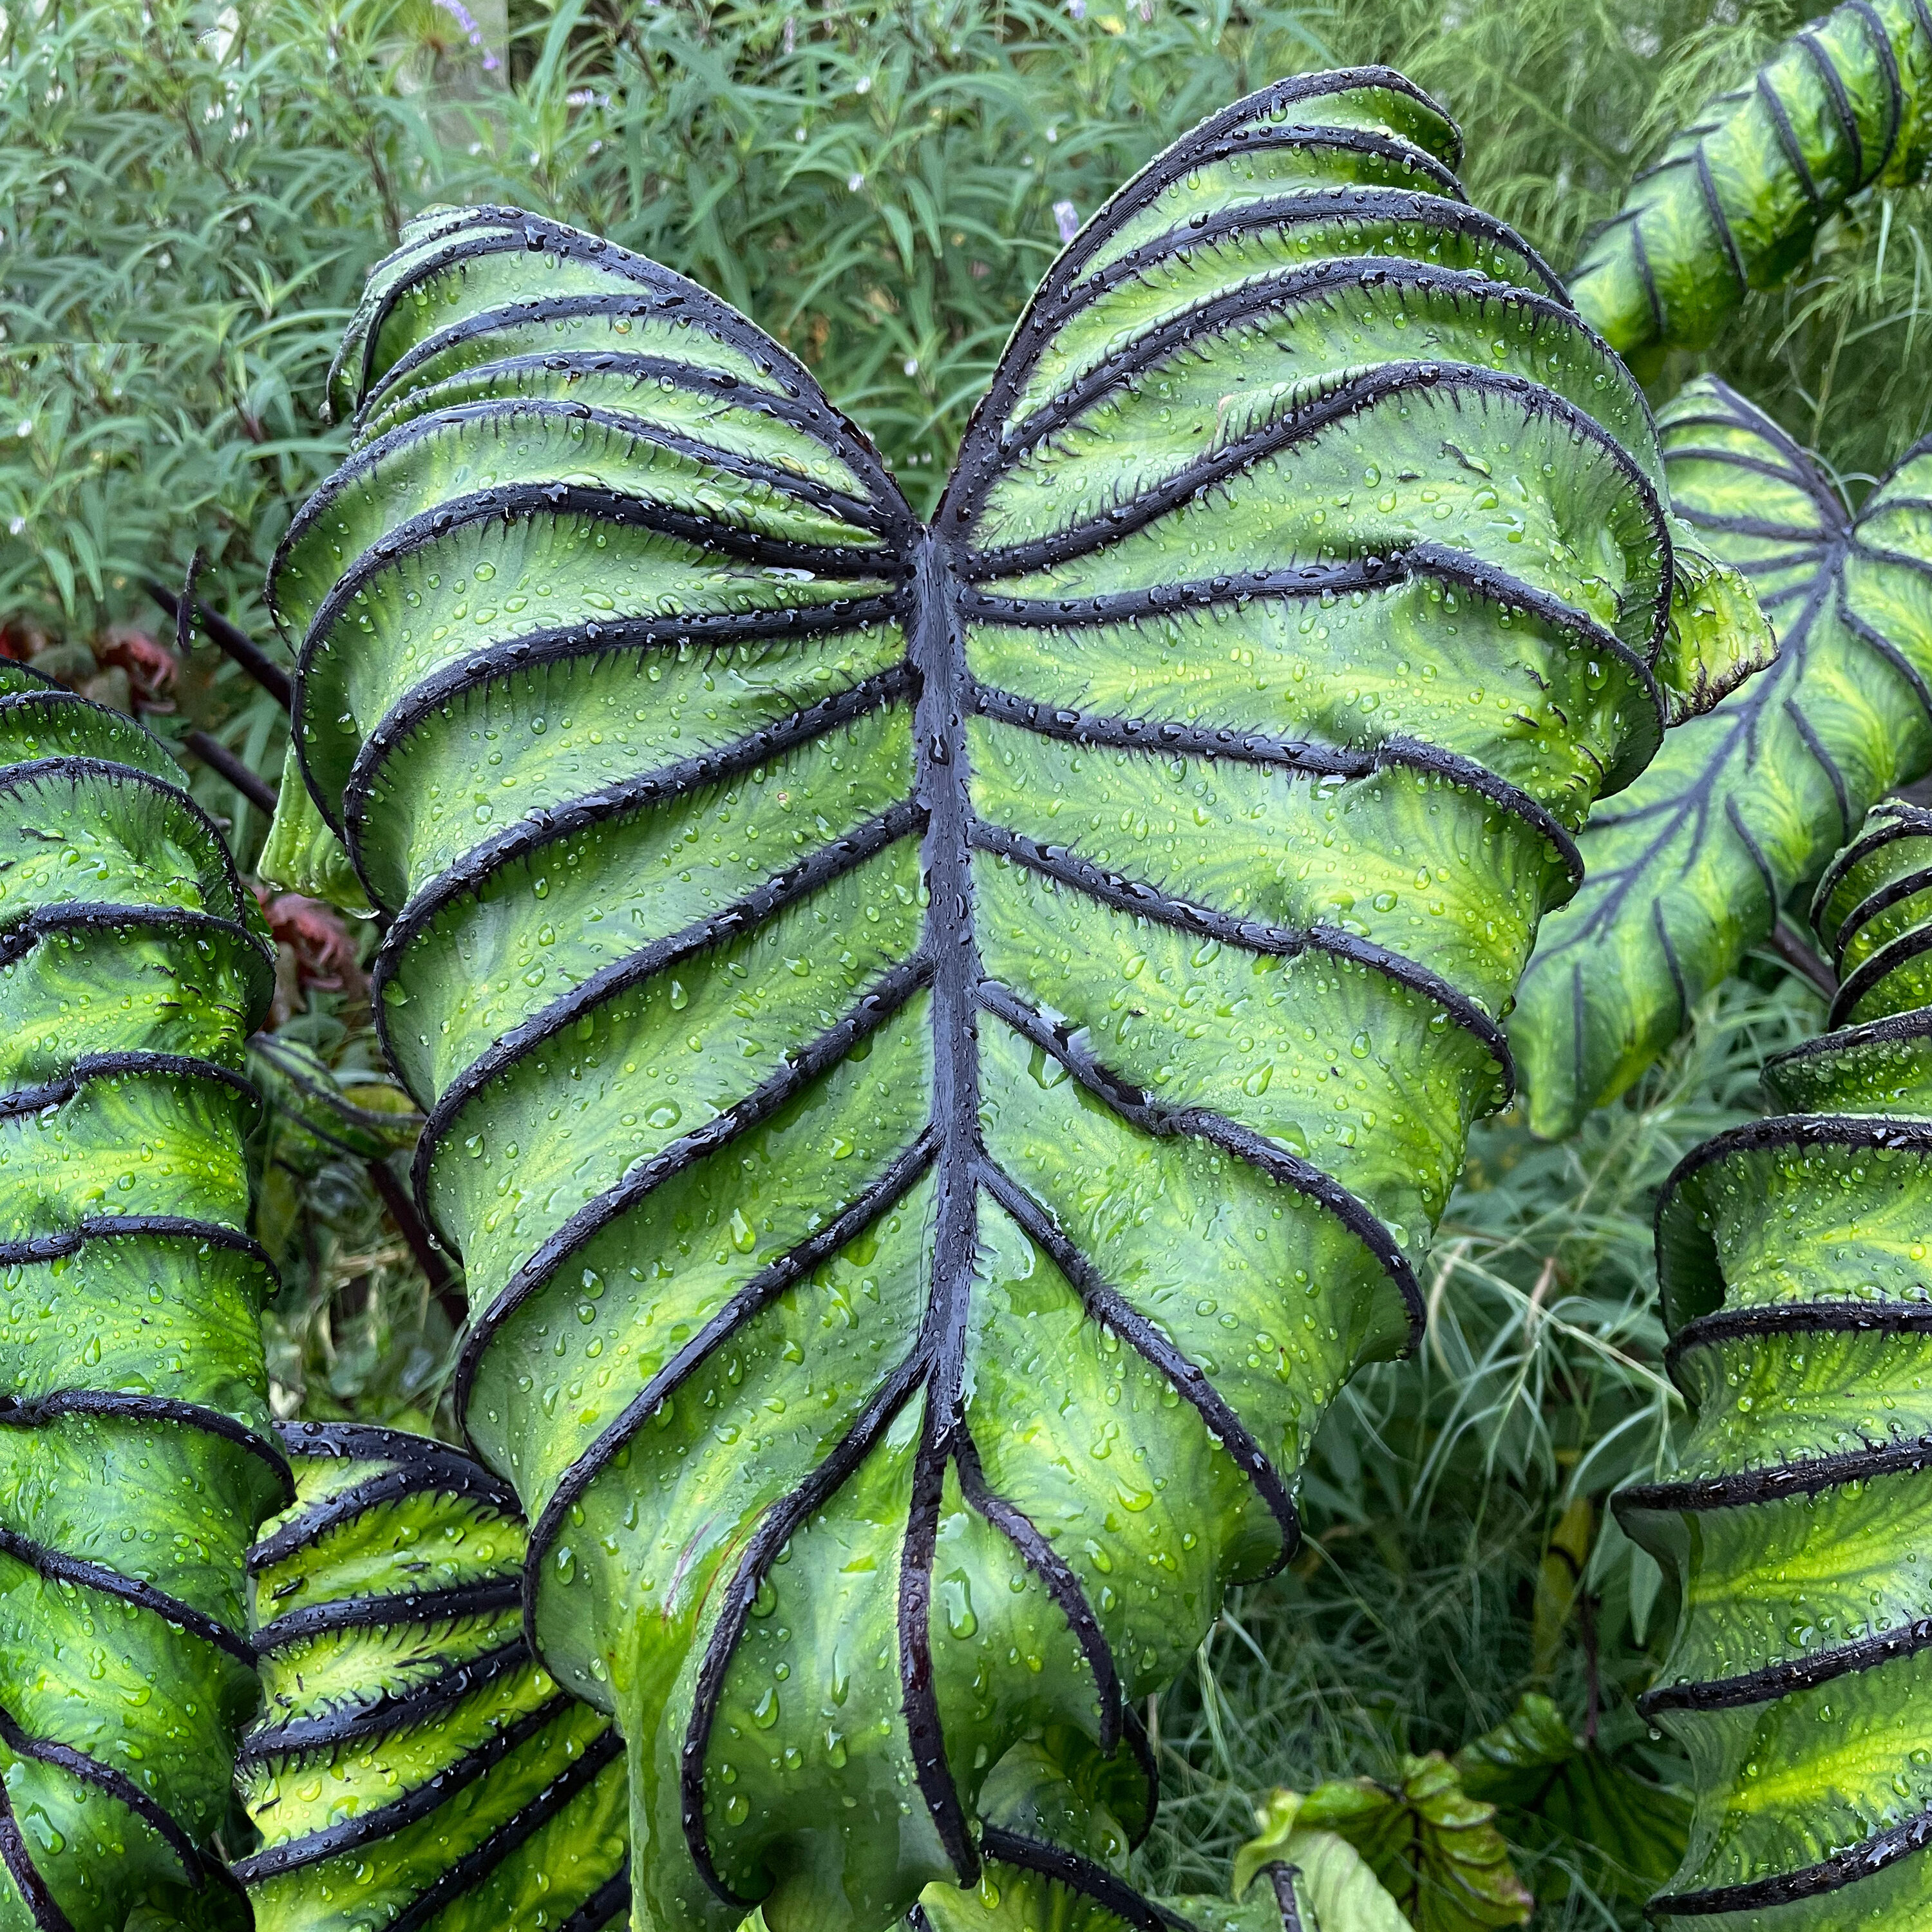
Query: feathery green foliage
{"points": [[192, 203], [136, 1458], [1689, 868], [1792, 1256], [914, 748]]}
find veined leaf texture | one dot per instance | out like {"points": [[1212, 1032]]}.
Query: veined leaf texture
{"points": [[1792, 1256], [944, 1047], [136, 1452], [1687, 870], [414, 1766], [1739, 195]]}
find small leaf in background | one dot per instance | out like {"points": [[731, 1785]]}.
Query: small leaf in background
{"points": [[1433, 1848], [1334, 1888], [1551, 1788]]}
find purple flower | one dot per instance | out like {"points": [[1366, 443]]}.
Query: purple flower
{"points": [[1066, 219], [464, 19]]}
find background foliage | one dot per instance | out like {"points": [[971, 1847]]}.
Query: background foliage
{"points": [[189, 195]]}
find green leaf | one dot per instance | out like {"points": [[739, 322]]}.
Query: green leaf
{"points": [[413, 1765], [1550, 1787], [314, 1116], [302, 855], [1428, 1843], [1870, 910], [1740, 195], [1334, 1888], [317, 1112], [137, 1459], [1792, 1257], [1054, 1859], [1718, 636], [943, 1046], [1742, 807]]}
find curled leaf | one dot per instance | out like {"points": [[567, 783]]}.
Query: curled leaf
{"points": [[1739, 197], [303, 855], [1718, 636]]}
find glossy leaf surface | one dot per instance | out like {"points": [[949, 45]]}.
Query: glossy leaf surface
{"points": [[944, 1047], [136, 1458], [1739, 197], [1791, 1252], [1687, 870], [414, 1767]]}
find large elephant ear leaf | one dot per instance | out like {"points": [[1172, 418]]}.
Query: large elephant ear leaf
{"points": [[136, 1456], [943, 1048], [1791, 1256], [1737, 198], [414, 1766], [1688, 869]]}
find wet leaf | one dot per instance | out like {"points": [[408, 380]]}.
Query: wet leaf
{"points": [[1737, 198], [943, 1046], [412, 1760], [1718, 636], [1791, 1258], [1332, 1886], [1743, 806], [303, 855], [136, 1460]]}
